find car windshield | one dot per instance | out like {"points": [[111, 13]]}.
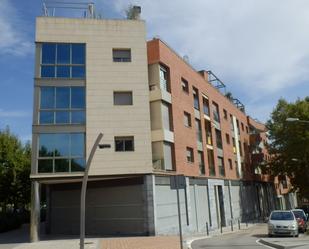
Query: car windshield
{"points": [[299, 214], [282, 216]]}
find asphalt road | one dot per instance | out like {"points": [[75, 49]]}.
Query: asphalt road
{"points": [[245, 239]]}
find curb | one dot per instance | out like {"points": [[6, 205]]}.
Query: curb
{"points": [[188, 243], [267, 243], [278, 246]]}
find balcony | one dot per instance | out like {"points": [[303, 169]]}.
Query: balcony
{"points": [[156, 93]]}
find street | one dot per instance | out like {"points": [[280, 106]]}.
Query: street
{"points": [[245, 239]]}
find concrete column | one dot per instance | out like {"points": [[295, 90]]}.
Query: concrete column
{"points": [[48, 210], [149, 204], [35, 212]]}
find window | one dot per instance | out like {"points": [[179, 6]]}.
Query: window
{"points": [[121, 55], [205, 105], [215, 111], [225, 114], [230, 163], [227, 136], [196, 99], [221, 166], [198, 130], [187, 119], [240, 148], [61, 152], [63, 60], [168, 155], [185, 85], [231, 120], [237, 123], [201, 162], [123, 98], [166, 116], [247, 130], [234, 145], [208, 132], [219, 139], [190, 156], [242, 126], [211, 162], [164, 84], [124, 143], [62, 105]]}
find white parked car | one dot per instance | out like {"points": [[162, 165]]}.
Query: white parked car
{"points": [[282, 223]]}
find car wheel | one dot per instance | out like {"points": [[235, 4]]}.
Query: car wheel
{"points": [[296, 235], [269, 235]]}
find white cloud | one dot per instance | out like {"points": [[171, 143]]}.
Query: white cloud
{"points": [[14, 114], [12, 40], [261, 46]]}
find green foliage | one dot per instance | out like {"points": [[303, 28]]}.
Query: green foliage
{"points": [[15, 164], [289, 143]]}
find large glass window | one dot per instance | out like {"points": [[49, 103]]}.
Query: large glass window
{"points": [[211, 162], [198, 128], [215, 111], [208, 132], [62, 105], [206, 106], [61, 152], [221, 166], [196, 99], [219, 139], [63, 60], [164, 83]]}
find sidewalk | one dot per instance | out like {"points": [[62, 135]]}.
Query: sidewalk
{"points": [[17, 240], [161, 242]]}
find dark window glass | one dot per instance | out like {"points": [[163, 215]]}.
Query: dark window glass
{"points": [[77, 97], [63, 53], [63, 72], [45, 166], [77, 145], [78, 164], [123, 98], [62, 117], [48, 53], [46, 145], [78, 54], [63, 97], [206, 106], [47, 71], [185, 85], [62, 165], [121, 55], [78, 71], [190, 156], [219, 139], [78, 117], [196, 99], [47, 98], [62, 144], [46, 117], [124, 144]]}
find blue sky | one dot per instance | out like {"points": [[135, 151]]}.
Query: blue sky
{"points": [[258, 48]]}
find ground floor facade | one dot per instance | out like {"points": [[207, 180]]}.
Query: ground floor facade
{"points": [[147, 205]]}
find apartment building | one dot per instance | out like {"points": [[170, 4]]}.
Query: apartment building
{"points": [[161, 118]]}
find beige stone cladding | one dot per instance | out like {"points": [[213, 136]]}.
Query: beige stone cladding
{"points": [[103, 77]]}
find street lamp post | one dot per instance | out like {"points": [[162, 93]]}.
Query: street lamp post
{"points": [[84, 187], [297, 120]]}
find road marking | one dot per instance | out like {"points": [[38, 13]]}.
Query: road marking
{"points": [[261, 244]]}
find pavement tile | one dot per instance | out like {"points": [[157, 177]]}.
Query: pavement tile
{"points": [[157, 242]]}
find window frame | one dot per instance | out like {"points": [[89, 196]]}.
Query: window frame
{"points": [[54, 157], [70, 110], [57, 65], [190, 158], [185, 85], [188, 116], [123, 92], [122, 59], [123, 139]]}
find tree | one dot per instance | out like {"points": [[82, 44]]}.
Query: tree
{"points": [[289, 143], [15, 163]]}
